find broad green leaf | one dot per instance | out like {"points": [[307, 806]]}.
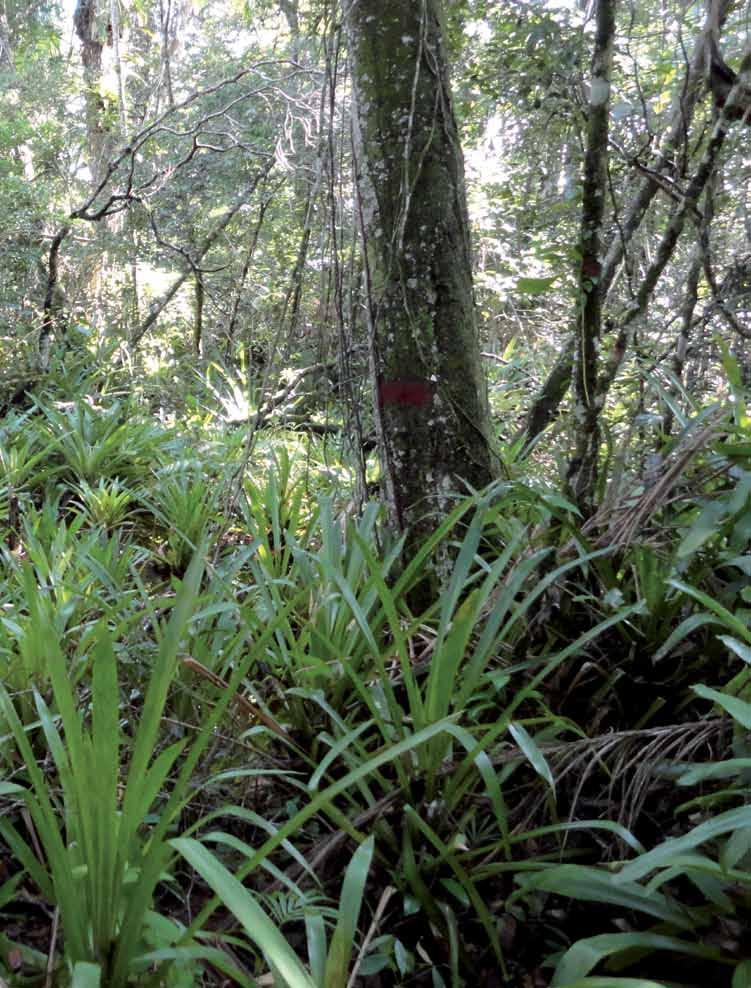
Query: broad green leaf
{"points": [[535, 286], [315, 935], [579, 960], [615, 983], [731, 622], [714, 770], [742, 975], [736, 847], [738, 709], [684, 629], [589, 884], [705, 527], [11, 789], [662, 856], [742, 651], [86, 976]]}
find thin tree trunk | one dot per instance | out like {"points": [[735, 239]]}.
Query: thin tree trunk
{"points": [[240, 285], [6, 49], [674, 228], [52, 314], [582, 474], [165, 17], [198, 300], [545, 406], [690, 301]]}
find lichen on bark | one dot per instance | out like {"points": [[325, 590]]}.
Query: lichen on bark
{"points": [[412, 205]]}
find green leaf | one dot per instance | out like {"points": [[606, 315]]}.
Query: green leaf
{"points": [[736, 847], [342, 942], [742, 975], [742, 651], [594, 885], [738, 709], [615, 983], [579, 960], [731, 622], [315, 934], [705, 526], [10, 789], [663, 855], [714, 770], [241, 903], [535, 757], [684, 629], [86, 976]]}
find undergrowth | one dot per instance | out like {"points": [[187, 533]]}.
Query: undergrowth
{"points": [[232, 752]]}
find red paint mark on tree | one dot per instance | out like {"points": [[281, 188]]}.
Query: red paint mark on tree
{"points": [[411, 392], [591, 267]]}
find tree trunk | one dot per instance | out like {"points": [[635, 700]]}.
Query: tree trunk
{"points": [[94, 32], [6, 49], [583, 467], [690, 301], [431, 409], [198, 300]]}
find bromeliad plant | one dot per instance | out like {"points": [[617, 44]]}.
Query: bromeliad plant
{"points": [[185, 503], [93, 443], [712, 858], [100, 867], [102, 862], [353, 648]]}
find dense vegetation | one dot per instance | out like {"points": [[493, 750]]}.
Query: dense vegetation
{"points": [[269, 716]]}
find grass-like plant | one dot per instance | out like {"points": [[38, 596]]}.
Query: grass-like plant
{"points": [[329, 964], [100, 867], [711, 857], [107, 504], [93, 443], [185, 503]]}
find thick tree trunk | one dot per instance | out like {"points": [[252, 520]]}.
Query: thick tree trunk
{"points": [[432, 416], [583, 467]]}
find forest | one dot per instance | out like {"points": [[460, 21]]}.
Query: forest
{"points": [[375, 493]]}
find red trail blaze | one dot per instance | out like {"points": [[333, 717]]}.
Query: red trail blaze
{"points": [[408, 392]]}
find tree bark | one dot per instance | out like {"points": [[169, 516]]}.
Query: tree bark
{"points": [[94, 32], [199, 296], [690, 301], [6, 49], [582, 475], [431, 408]]}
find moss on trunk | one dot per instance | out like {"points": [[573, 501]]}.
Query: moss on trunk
{"points": [[430, 390]]}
